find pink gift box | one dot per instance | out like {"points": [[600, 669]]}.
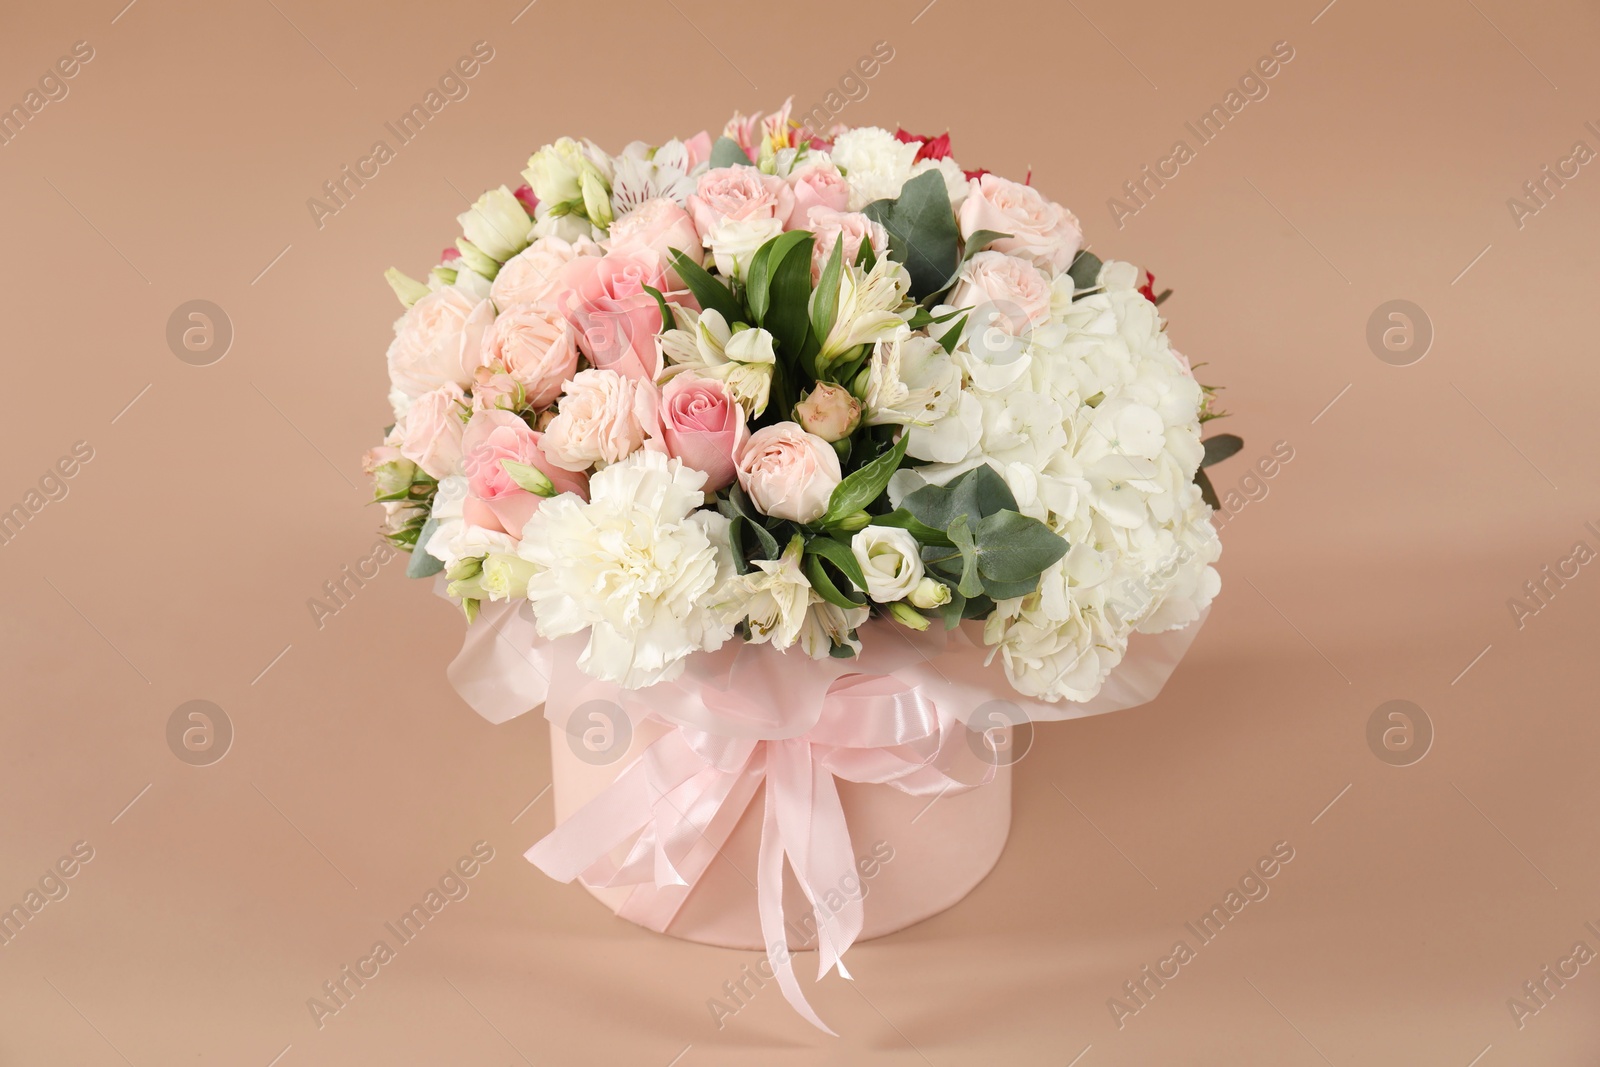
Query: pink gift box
{"points": [[915, 855]]}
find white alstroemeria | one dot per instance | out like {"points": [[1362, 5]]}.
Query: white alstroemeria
{"points": [[868, 309], [743, 357], [772, 598], [497, 224], [891, 560], [828, 625], [643, 173], [635, 566], [912, 382]]}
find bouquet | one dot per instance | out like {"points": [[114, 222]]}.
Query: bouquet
{"points": [[797, 387]]}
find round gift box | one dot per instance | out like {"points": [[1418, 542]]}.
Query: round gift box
{"points": [[915, 855]]}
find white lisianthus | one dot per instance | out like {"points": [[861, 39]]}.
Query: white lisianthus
{"points": [[505, 576], [876, 165], [732, 242], [555, 172], [772, 598], [634, 565], [929, 594], [497, 224], [891, 561]]}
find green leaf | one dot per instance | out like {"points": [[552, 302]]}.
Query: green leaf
{"points": [[1015, 548], [787, 313], [961, 534], [825, 299], [979, 492], [1085, 270], [866, 259], [1220, 447], [736, 528], [952, 337], [817, 572], [711, 293], [667, 321], [423, 565], [727, 153], [1207, 492], [923, 234], [902, 519], [839, 554], [977, 242], [865, 484]]}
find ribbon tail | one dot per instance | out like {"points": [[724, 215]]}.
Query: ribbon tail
{"points": [[769, 903]]}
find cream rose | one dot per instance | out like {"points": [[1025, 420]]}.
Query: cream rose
{"points": [[533, 276], [788, 473], [432, 430], [1012, 294], [1040, 229], [851, 227], [537, 347], [603, 417], [658, 225], [439, 340]]}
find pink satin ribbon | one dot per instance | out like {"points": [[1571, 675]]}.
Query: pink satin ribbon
{"points": [[889, 717]]}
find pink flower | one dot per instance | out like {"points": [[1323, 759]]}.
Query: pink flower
{"points": [[603, 417], [816, 185], [703, 425], [616, 320], [744, 129], [1008, 293], [829, 411], [431, 435], [495, 389], [852, 227], [533, 276], [658, 226], [788, 473], [699, 148], [537, 347], [439, 340], [739, 194], [496, 501], [1040, 229]]}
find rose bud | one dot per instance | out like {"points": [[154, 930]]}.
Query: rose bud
{"points": [[829, 411]]}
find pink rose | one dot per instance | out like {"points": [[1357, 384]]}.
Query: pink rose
{"points": [[537, 347], [431, 435], [533, 276], [1008, 293], [602, 417], [657, 225], [703, 425], [739, 194], [816, 185], [1040, 229], [852, 227], [495, 389], [495, 500], [439, 340], [615, 319], [788, 473]]}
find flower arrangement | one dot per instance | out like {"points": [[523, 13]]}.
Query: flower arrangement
{"points": [[769, 388]]}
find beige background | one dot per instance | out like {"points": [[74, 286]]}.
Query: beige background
{"points": [[1378, 567]]}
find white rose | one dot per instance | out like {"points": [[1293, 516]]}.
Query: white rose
{"points": [[890, 559], [875, 164]]}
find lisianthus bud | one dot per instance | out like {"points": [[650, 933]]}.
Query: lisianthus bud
{"points": [[829, 411], [497, 224], [596, 200], [476, 260], [408, 289], [505, 576], [929, 594], [391, 472], [906, 615]]}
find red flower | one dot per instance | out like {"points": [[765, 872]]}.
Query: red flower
{"points": [[1148, 289], [524, 194], [974, 175], [932, 147]]}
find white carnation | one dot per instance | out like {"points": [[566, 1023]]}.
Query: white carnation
{"points": [[875, 164], [635, 566]]}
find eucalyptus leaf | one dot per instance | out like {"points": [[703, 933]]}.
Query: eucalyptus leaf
{"points": [[1085, 270], [423, 565], [727, 153], [1012, 547], [961, 535], [1207, 492], [1220, 447], [923, 234], [902, 519], [979, 492]]}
